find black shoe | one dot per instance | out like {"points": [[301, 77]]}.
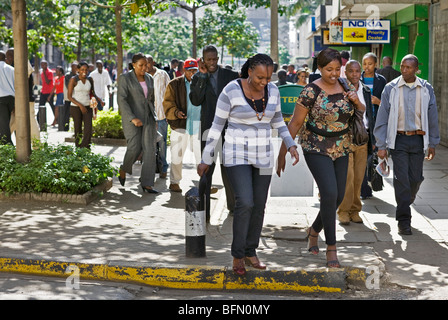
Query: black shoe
{"points": [[145, 189], [404, 229], [122, 180]]}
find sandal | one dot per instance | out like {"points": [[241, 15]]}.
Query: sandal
{"points": [[314, 249], [333, 263], [257, 264]]}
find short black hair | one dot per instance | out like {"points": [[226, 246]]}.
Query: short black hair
{"points": [[411, 57], [209, 48], [345, 54], [327, 55]]}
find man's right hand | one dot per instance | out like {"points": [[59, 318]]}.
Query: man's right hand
{"points": [[202, 67], [382, 154]]}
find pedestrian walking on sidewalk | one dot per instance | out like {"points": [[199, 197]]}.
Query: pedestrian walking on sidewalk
{"points": [[7, 98], [351, 205], [326, 144], [206, 86], [184, 119], [58, 90], [45, 93], [251, 107], [407, 125], [161, 80], [135, 99], [80, 89], [376, 83]]}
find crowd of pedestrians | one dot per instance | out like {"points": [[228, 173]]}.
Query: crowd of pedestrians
{"points": [[213, 109]]}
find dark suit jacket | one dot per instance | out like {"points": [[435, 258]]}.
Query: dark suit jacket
{"points": [[202, 93], [371, 117], [389, 73]]}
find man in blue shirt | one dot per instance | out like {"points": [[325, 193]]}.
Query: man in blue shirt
{"points": [[184, 119], [407, 125]]}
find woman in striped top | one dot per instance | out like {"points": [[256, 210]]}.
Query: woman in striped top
{"points": [[251, 107]]}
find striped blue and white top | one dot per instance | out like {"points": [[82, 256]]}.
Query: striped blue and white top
{"points": [[247, 140]]}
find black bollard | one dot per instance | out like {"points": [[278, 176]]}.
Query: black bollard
{"points": [[42, 118], [195, 221]]}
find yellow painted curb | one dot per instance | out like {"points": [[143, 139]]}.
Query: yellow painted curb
{"points": [[187, 277]]}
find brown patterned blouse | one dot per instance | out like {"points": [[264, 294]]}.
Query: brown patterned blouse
{"points": [[328, 112]]}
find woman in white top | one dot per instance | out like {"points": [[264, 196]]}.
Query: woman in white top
{"points": [[80, 88]]}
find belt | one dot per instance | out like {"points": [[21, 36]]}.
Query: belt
{"points": [[412, 133]]}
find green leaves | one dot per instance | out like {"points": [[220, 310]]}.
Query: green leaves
{"points": [[53, 169], [108, 125]]}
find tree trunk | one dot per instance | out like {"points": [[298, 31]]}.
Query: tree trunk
{"points": [[274, 30], [194, 51], [22, 109], [118, 30]]}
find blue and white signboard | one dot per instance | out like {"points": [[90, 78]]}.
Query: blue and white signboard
{"points": [[365, 31]]}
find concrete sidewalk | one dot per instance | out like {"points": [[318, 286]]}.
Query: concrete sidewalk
{"points": [[128, 235]]}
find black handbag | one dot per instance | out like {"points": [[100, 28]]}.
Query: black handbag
{"points": [[375, 180], [356, 122], [359, 132]]}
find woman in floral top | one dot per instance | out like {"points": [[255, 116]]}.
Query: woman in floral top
{"points": [[326, 143]]}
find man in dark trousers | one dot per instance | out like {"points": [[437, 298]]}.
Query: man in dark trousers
{"points": [[407, 124], [206, 86]]}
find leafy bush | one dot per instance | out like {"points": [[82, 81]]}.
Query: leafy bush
{"points": [[108, 125], [53, 169]]}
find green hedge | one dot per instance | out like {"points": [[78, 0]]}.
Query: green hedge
{"points": [[108, 125], [58, 169]]}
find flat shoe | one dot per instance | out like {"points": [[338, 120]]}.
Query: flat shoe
{"points": [[257, 264]]}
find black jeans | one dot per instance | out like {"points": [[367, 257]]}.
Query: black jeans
{"points": [[330, 177], [250, 187], [6, 107], [408, 157]]}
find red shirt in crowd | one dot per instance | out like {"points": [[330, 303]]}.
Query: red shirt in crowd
{"points": [[46, 88], [59, 84]]}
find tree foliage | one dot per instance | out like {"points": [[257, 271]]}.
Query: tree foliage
{"points": [[228, 30], [163, 38]]}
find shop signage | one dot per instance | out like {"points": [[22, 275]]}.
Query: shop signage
{"points": [[366, 31]]}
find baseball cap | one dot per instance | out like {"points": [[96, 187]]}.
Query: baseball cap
{"points": [[190, 64]]}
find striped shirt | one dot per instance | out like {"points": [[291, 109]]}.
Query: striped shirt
{"points": [[247, 140]]}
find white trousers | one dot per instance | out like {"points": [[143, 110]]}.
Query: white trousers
{"points": [[180, 140]]}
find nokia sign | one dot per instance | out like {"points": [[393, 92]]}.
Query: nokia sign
{"points": [[365, 23], [366, 31]]}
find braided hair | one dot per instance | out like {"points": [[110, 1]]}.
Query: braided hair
{"points": [[252, 62]]}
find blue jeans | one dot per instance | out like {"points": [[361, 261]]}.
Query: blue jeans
{"points": [[251, 192], [162, 127]]}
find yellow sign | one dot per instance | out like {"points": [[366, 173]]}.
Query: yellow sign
{"points": [[354, 35]]}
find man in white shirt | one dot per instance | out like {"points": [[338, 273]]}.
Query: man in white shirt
{"points": [[161, 79], [351, 205], [7, 94], [101, 80]]}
